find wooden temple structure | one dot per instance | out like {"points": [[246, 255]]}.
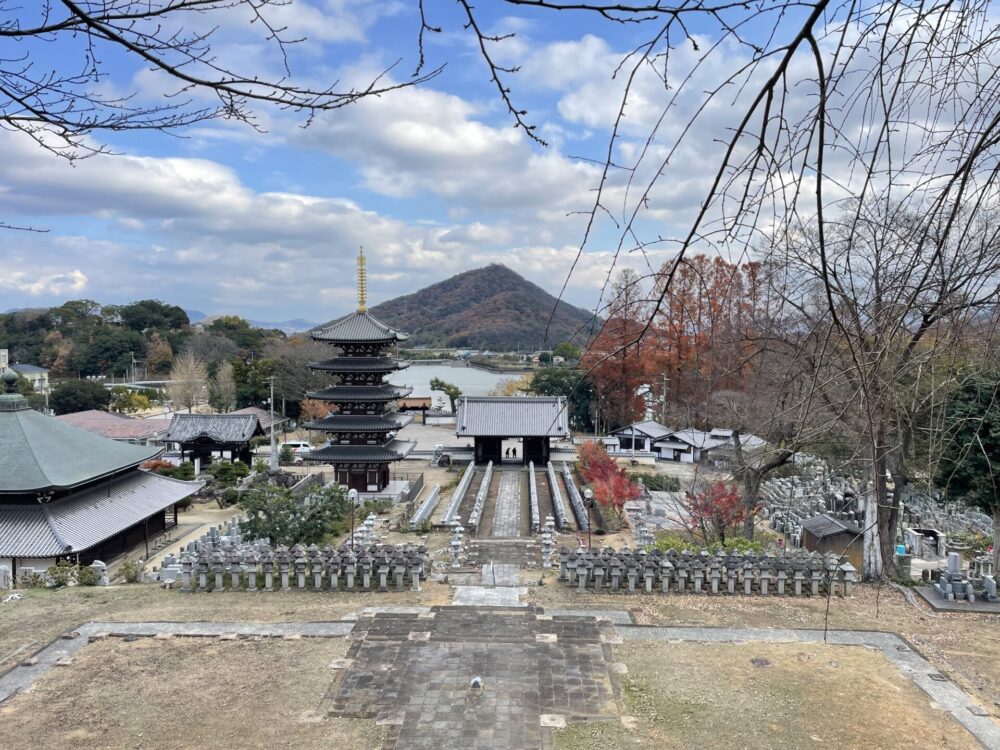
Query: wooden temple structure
{"points": [[363, 420], [490, 420], [68, 494]]}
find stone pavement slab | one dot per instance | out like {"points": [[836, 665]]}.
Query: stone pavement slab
{"points": [[483, 596], [507, 516]]}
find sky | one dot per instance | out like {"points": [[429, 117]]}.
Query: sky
{"points": [[432, 180]]}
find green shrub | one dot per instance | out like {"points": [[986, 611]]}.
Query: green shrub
{"points": [[657, 482], [63, 573], [680, 542], [229, 496], [31, 581], [87, 576], [260, 465], [229, 474], [131, 571], [376, 505]]}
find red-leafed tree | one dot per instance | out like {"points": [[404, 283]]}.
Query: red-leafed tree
{"points": [[716, 510], [616, 490], [610, 482], [595, 463]]}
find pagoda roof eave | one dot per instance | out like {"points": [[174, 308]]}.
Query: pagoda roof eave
{"points": [[358, 328], [360, 423], [359, 364], [394, 450], [360, 393]]}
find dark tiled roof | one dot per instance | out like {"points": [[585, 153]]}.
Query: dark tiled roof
{"points": [[488, 416], [219, 428], [360, 423], [81, 520], [358, 327], [394, 450], [348, 393], [359, 364], [823, 525], [39, 453]]}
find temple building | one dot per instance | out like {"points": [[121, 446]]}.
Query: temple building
{"points": [[363, 421], [490, 420], [68, 494]]}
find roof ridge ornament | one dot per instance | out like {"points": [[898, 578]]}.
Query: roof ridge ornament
{"points": [[362, 282]]}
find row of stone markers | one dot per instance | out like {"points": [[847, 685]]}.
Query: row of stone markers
{"points": [[536, 522], [371, 568], [795, 573], [579, 509], [484, 490], [562, 522]]}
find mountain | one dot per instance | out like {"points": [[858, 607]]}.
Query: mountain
{"points": [[487, 308], [296, 325]]}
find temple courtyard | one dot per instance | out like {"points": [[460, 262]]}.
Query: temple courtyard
{"points": [[150, 668]]}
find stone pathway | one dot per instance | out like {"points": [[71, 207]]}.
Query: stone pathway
{"points": [[413, 674], [507, 516]]}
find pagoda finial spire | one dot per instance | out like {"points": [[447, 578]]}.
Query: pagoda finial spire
{"points": [[362, 282]]}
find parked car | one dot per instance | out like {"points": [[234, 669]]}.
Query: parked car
{"points": [[300, 449]]}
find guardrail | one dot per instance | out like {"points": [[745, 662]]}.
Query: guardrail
{"points": [[579, 509], [484, 489], [536, 524], [459, 494], [562, 522], [427, 507]]}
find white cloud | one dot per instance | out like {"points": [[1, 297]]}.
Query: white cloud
{"points": [[36, 283]]}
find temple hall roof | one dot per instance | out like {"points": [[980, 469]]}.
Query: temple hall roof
{"points": [[83, 519], [489, 416], [39, 453], [219, 428]]}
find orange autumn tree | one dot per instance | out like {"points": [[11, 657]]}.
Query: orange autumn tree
{"points": [[704, 332], [616, 358]]}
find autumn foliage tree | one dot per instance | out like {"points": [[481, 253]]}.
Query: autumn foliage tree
{"points": [[610, 482], [616, 359], [716, 510]]}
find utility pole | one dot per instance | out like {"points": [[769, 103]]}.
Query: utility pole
{"points": [[663, 401], [274, 447]]}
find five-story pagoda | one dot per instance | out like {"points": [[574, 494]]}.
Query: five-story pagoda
{"points": [[362, 423]]}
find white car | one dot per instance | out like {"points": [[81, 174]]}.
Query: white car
{"points": [[300, 449]]}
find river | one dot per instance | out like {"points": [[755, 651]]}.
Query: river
{"points": [[471, 380]]}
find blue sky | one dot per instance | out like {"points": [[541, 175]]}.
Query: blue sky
{"points": [[433, 180]]}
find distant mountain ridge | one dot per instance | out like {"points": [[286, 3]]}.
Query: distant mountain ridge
{"points": [[486, 308]]}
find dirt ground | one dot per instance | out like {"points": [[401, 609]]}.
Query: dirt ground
{"points": [[962, 646], [688, 695], [185, 693], [29, 624]]}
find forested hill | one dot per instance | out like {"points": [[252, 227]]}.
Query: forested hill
{"points": [[488, 308]]}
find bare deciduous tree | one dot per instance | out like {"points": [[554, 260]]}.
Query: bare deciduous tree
{"points": [[187, 382], [61, 101], [222, 388]]}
